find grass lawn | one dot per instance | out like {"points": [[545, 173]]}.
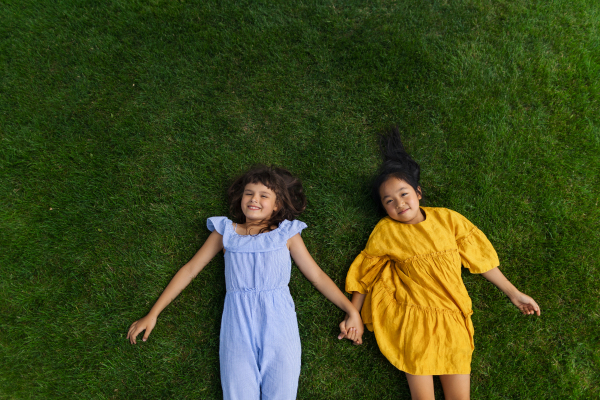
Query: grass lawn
{"points": [[123, 122]]}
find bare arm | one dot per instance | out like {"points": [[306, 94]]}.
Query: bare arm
{"points": [[325, 285], [182, 278], [358, 299], [523, 302]]}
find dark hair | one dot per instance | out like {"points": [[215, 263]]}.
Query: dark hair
{"points": [[397, 163], [290, 199]]}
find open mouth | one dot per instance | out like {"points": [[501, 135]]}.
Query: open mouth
{"points": [[253, 208]]}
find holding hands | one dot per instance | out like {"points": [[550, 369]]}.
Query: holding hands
{"points": [[352, 328]]}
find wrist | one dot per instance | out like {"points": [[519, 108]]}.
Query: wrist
{"points": [[512, 293]]}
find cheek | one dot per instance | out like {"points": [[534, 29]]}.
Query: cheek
{"points": [[390, 212]]}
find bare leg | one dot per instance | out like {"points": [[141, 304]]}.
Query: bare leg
{"points": [[421, 386], [456, 387]]}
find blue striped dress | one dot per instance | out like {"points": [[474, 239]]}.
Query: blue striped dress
{"points": [[259, 342]]}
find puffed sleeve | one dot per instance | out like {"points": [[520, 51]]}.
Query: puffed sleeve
{"points": [[218, 223], [367, 266], [476, 252], [363, 272]]}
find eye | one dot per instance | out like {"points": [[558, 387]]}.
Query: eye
{"points": [[388, 201]]}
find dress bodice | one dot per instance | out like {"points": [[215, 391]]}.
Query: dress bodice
{"points": [[256, 262]]}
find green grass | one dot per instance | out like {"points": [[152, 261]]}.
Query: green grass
{"points": [[122, 123]]}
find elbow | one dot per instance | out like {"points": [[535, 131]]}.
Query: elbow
{"points": [[189, 271]]}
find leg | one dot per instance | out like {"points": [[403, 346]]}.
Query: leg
{"points": [[421, 386], [456, 387], [280, 355], [240, 377]]}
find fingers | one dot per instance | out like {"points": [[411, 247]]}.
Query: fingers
{"points": [[529, 306], [342, 330], [357, 338], [134, 334], [135, 330], [148, 330], [536, 308], [530, 309], [130, 332], [349, 333], [352, 334]]}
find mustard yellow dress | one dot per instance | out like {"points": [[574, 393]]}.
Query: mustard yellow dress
{"points": [[416, 301]]}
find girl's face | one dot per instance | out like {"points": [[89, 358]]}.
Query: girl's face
{"points": [[401, 201], [258, 202]]}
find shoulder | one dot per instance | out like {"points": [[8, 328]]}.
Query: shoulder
{"points": [[453, 221], [384, 223], [444, 214], [384, 228], [218, 224], [288, 228]]}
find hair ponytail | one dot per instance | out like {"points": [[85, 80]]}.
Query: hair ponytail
{"points": [[396, 163]]}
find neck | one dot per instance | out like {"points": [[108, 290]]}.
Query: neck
{"points": [[253, 227]]}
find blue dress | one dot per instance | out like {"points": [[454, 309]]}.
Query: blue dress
{"points": [[259, 343]]}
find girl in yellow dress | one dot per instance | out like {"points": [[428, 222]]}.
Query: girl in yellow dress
{"points": [[407, 281]]}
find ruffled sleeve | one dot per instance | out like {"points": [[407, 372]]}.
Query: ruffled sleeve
{"points": [[476, 252], [363, 272], [218, 223], [288, 229]]}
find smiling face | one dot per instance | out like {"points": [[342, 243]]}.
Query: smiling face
{"points": [[258, 202], [401, 201]]}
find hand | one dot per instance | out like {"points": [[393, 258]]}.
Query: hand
{"points": [[352, 328], [147, 323], [525, 303]]}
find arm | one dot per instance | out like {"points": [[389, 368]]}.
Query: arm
{"points": [[182, 278], [326, 286], [358, 299], [523, 302]]}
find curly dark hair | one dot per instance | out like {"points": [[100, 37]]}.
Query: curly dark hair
{"points": [[290, 198], [397, 163]]}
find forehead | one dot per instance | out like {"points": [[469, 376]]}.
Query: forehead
{"points": [[393, 185], [257, 187]]}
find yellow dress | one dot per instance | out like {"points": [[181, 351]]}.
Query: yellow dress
{"points": [[416, 301]]}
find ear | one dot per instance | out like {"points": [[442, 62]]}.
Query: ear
{"points": [[419, 193]]}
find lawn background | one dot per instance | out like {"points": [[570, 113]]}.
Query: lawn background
{"points": [[122, 123]]}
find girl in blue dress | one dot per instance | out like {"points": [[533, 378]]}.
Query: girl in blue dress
{"points": [[259, 341]]}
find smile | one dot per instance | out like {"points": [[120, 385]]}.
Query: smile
{"points": [[403, 211], [253, 208]]}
